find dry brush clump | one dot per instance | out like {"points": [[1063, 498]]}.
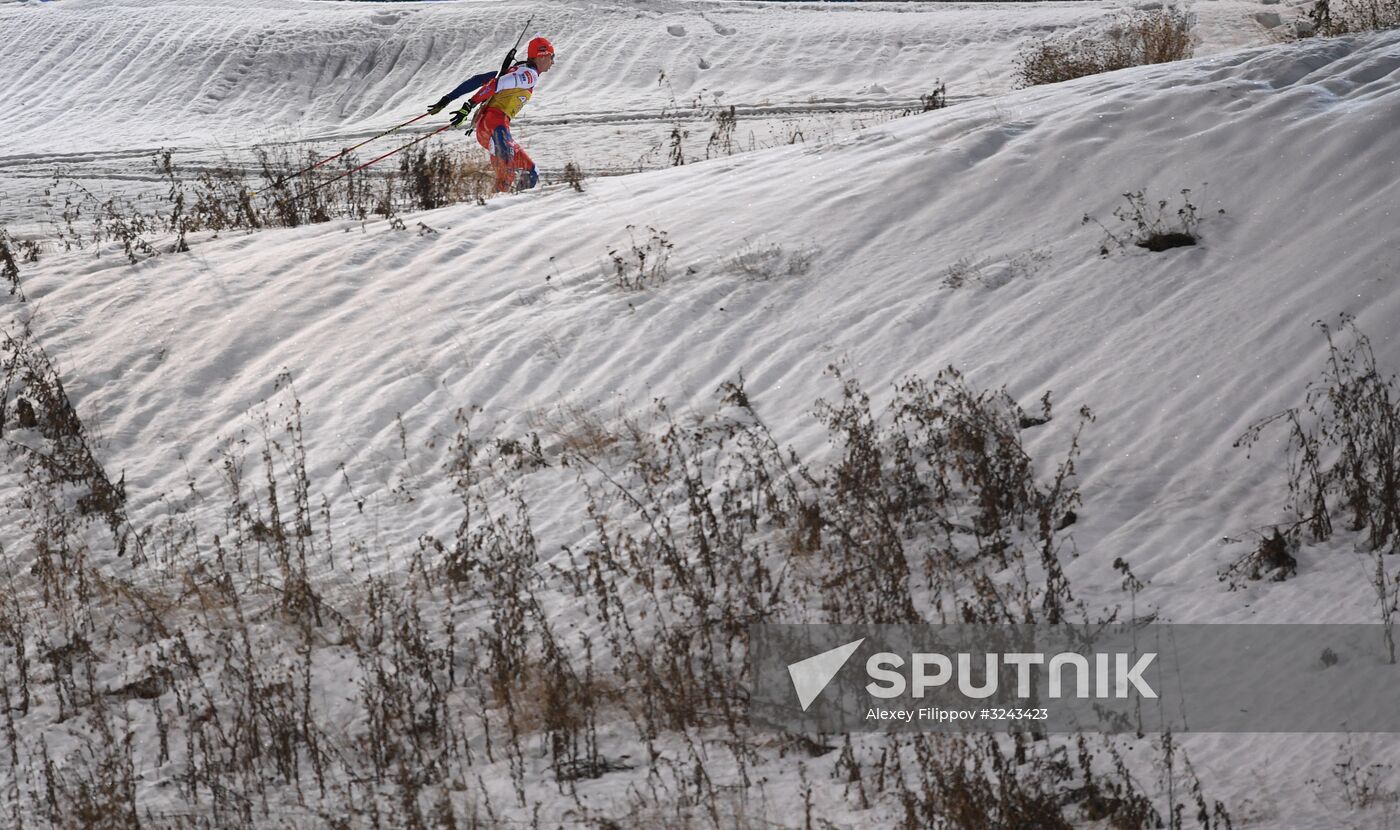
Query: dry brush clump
{"points": [[12, 252], [641, 263], [1329, 18], [1131, 39], [974, 782], [934, 99], [279, 189], [1151, 224], [209, 673], [1343, 445], [930, 511], [770, 260], [58, 453], [1272, 558], [996, 271], [574, 176]]}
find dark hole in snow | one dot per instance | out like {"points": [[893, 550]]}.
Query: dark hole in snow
{"points": [[1158, 242]]}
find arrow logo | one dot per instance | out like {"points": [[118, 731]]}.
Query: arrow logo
{"points": [[811, 676]]}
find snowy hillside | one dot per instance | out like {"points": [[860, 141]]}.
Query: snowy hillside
{"points": [[511, 307], [212, 78], [951, 238], [160, 73]]}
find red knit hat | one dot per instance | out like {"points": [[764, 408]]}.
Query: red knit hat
{"points": [[539, 47]]}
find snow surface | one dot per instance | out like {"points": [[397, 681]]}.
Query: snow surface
{"points": [[97, 87], [158, 73], [510, 308], [1289, 151]]}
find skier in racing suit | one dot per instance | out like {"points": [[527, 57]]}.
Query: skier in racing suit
{"points": [[501, 99]]}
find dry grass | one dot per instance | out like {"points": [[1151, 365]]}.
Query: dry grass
{"points": [[1340, 17], [1151, 225], [763, 262], [584, 430], [248, 670], [574, 176], [641, 263], [269, 194], [1133, 39], [1343, 469]]}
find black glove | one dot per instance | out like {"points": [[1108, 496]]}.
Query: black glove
{"points": [[462, 114], [434, 109]]}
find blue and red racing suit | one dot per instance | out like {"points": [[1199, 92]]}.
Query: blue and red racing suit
{"points": [[471, 84], [498, 100]]}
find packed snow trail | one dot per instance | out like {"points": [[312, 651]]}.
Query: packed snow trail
{"points": [[173, 72], [213, 78]]}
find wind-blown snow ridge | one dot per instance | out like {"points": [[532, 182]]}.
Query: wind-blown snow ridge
{"points": [[511, 308]]}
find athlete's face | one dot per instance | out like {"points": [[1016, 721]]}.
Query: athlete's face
{"points": [[544, 62]]}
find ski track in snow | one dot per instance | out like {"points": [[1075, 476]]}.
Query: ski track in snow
{"points": [[204, 75], [251, 71], [212, 79]]}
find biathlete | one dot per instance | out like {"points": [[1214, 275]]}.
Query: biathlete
{"points": [[500, 97]]}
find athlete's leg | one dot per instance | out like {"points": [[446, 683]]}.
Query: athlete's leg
{"points": [[489, 130], [514, 167], [485, 125], [527, 177], [503, 152]]}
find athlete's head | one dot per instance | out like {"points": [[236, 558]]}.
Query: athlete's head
{"points": [[540, 54]]}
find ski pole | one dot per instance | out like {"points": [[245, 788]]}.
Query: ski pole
{"points": [[306, 170], [423, 137]]}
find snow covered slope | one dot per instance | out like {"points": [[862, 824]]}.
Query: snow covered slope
{"points": [[511, 307], [95, 88], [160, 73], [1288, 152]]}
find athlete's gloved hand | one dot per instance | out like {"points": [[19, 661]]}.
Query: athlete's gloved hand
{"points": [[462, 114], [434, 109]]}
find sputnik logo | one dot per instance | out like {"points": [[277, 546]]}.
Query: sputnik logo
{"points": [[811, 676]]}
